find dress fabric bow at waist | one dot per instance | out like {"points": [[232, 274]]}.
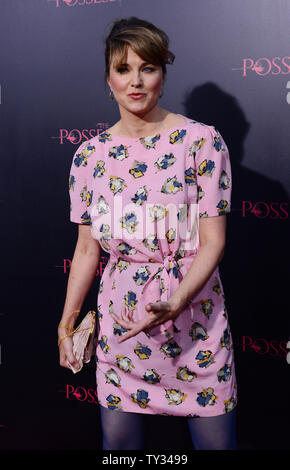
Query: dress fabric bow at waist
{"points": [[160, 286]]}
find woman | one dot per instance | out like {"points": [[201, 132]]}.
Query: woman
{"points": [[164, 341]]}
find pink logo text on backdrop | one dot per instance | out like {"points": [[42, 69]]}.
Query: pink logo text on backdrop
{"points": [[264, 66], [80, 3], [76, 137], [67, 264], [263, 209]]}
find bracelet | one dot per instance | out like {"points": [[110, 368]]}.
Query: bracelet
{"points": [[70, 334], [68, 327], [65, 326], [60, 339]]}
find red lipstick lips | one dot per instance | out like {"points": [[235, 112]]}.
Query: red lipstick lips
{"points": [[137, 96]]}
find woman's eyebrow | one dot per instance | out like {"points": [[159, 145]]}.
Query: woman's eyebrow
{"points": [[143, 63]]}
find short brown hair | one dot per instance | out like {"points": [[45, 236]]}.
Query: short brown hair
{"points": [[146, 40]]}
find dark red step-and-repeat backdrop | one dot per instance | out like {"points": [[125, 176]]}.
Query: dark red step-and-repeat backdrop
{"points": [[232, 70]]}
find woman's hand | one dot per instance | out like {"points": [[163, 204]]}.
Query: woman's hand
{"points": [[158, 313], [66, 350]]}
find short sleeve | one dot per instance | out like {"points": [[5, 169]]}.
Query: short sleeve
{"points": [[80, 196], [213, 174]]}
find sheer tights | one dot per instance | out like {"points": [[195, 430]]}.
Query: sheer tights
{"points": [[215, 432], [125, 431], [121, 430]]}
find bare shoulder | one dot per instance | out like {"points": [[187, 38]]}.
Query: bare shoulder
{"points": [[114, 128], [175, 120]]}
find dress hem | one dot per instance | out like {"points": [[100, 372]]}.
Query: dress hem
{"points": [[145, 412]]}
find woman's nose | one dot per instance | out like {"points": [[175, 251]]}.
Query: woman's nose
{"points": [[136, 80]]}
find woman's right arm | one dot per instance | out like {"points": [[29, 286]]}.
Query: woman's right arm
{"points": [[82, 273]]}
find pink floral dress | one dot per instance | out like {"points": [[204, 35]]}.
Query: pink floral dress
{"points": [[137, 195]]}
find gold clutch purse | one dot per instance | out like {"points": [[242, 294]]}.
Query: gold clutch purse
{"points": [[83, 340]]}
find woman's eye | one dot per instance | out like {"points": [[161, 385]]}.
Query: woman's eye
{"points": [[122, 69]]}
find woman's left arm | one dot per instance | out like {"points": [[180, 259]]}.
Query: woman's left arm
{"points": [[212, 236], [214, 182]]}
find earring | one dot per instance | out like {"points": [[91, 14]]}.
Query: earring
{"points": [[160, 96], [111, 95]]}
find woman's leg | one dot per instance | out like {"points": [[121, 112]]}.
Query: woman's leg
{"points": [[122, 430], [215, 432]]}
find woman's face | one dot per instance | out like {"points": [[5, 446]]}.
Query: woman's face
{"points": [[136, 76]]}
